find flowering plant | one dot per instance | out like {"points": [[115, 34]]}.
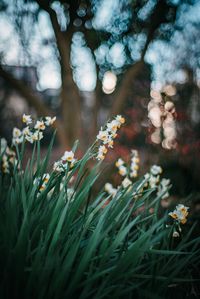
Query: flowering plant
{"points": [[59, 233]]}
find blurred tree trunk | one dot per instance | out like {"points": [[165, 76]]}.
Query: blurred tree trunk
{"points": [[70, 97]]}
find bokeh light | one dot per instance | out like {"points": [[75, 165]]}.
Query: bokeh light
{"points": [[109, 82]]}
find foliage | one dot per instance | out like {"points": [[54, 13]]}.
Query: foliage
{"points": [[63, 241]]}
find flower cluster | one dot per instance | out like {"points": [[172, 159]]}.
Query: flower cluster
{"points": [[107, 136], [153, 181], [153, 178], [126, 182], [8, 157], [127, 172], [45, 179], [163, 188], [67, 160], [120, 164], [134, 164], [180, 213], [33, 130]]}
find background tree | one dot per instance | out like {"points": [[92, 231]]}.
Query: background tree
{"points": [[74, 24]]}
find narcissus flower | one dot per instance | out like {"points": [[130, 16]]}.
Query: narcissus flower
{"points": [[108, 134], [68, 156], [26, 131], [155, 170], [176, 234], [163, 187], [37, 135], [180, 213], [134, 167], [16, 133], [17, 136], [126, 182], [119, 162], [66, 162], [26, 119], [110, 189], [120, 120], [103, 135], [45, 179], [101, 152], [57, 166], [122, 170], [49, 120], [39, 125], [113, 126]]}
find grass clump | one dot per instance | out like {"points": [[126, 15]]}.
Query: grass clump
{"points": [[58, 239]]}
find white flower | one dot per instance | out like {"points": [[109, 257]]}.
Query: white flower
{"points": [[29, 137], [126, 182], [147, 176], [18, 140], [112, 126], [103, 149], [16, 133], [134, 163], [134, 166], [176, 234], [155, 170], [163, 187], [17, 136], [58, 166], [180, 213], [120, 120], [100, 156], [46, 177], [49, 120], [133, 174], [110, 189], [165, 183], [101, 152], [37, 135], [153, 181], [122, 170], [26, 119], [119, 162], [68, 156], [109, 142], [102, 135], [39, 125], [26, 131]]}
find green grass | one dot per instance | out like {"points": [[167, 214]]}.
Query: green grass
{"points": [[57, 246]]}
